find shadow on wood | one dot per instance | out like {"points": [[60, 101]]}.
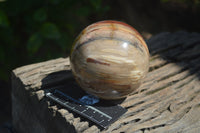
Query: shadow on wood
{"points": [[181, 48]]}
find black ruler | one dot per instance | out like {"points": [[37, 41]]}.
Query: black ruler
{"points": [[101, 114]]}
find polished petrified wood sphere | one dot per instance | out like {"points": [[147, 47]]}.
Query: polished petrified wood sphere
{"points": [[109, 59]]}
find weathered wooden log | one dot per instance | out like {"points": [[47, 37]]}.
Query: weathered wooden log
{"points": [[167, 101]]}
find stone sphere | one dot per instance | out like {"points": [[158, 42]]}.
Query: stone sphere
{"points": [[109, 59]]}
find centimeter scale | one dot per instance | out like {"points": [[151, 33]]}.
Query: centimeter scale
{"points": [[87, 106]]}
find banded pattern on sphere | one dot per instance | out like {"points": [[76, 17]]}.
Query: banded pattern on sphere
{"points": [[109, 59]]}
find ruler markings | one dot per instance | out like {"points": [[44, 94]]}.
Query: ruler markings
{"points": [[87, 111]]}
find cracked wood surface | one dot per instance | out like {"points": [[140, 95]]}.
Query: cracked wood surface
{"points": [[167, 101]]}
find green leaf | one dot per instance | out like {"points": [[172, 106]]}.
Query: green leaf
{"points": [[96, 4], [50, 31], [83, 11], [34, 43], [64, 41], [71, 27], [40, 15], [3, 19]]}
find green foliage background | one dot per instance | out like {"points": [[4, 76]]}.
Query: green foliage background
{"points": [[37, 30]]}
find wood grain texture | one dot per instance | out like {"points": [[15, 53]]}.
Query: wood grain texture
{"points": [[167, 101]]}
